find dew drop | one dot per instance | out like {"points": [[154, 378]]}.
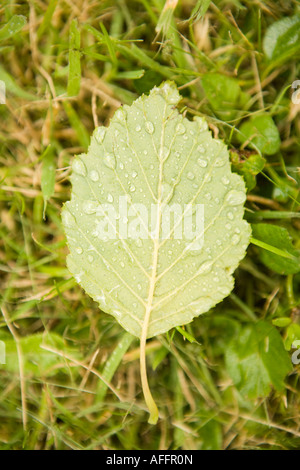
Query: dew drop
{"points": [[90, 207], [110, 198], [99, 134], [110, 161], [180, 129], [230, 216], [202, 124], [132, 188], [94, 175], [205, 267], [139, 242], [234, 197], [202, 163], [235, 239], [149, 127], [79, 167], [195, 247], [90, 258], [219, 162], [171, 95], [225, 180], [120, 115], [166, 190], [190, 175], [138, 128], [68, 218], [134, 174], [101, 298], [79, 250], [164, 151]]}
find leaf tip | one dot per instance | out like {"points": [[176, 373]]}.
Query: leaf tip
{"points": [[169, 91]]}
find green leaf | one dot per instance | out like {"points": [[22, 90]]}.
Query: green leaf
{"points": [[257, 360], [211, 435], [147, 81], [279, 238], [281, 322], [248, 168], [110, 45], [282, 38], [127, 225], [186, 335], [152, 155], [112, 364], [260, 132], [199, 9], [159, 356], [47, 17], [13, 88], [292, 335], [130, 75], [48, 175], [37, 362], [14, 25], [74, 60], [77, 124], [224, 95]]}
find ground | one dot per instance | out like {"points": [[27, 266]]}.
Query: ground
{"points": [[228, 380]]}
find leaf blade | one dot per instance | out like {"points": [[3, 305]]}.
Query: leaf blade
{"points": [[157, 283]]}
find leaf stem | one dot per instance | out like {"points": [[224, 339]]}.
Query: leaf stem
{"points": [[153, 410]]}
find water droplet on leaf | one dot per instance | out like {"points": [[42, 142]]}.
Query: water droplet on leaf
{"points": [[68, 218], [180, 129], [235, 197], [94, 175], [235, 239], [99, 134], [90, 207], [149, 127], [79, 167], [202, 163], [220, 162], [110, 161]]}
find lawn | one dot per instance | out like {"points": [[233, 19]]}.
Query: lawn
{"points": [[69, 373]]}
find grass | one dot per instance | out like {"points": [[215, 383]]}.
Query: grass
{"points": [[71, 380]]}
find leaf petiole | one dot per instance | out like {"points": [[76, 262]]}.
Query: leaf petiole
{"points": [[153, 410]]}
